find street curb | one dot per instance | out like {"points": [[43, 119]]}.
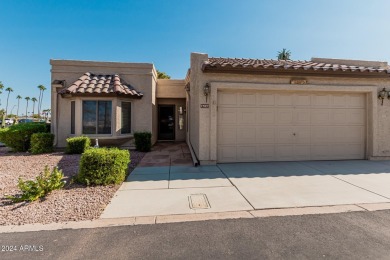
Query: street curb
{"points": [[149, 220]]}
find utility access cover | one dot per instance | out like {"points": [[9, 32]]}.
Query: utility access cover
{"points": [[199, 201]]}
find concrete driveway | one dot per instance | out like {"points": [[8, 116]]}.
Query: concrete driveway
{"points": [[165, 190]]}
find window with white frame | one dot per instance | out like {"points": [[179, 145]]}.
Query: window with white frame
{"points": [[126, 118], [97, 117]]}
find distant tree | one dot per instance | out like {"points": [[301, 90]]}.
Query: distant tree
{"points": [[34, 100], [27, 99], [9, 92], [40, 98], [162, 75], [284, 54], [18, 98]]}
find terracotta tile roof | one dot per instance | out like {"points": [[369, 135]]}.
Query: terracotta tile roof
{"points": [[100, 84], [257, 64]]}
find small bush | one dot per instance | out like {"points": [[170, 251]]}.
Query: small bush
{"points": [[77, 145], [41, 143], [18, 136], [103, 166], [143, 141], [43, 185]]}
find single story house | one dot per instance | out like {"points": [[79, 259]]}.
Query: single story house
{"points": [[229, 109]]}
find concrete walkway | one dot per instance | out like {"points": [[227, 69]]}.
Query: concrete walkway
{"points": [[166, 190]]}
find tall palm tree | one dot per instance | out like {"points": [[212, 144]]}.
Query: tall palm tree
{"points": [[1, 87], [9, 92], [27, 99], [34, 100], [284, 54], [41, 89], [18, 98]]}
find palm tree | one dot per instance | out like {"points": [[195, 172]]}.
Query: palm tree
{"points": [[284, 54], [1, 87], [27, 99], [18, 98], [9, 92], [34, 100], [41, 89]]}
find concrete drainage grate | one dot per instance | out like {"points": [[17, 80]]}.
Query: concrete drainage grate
{"points": [[199, 201]]}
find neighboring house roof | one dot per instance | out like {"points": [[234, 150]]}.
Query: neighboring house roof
{"points": [[92, 84], [283, 66]]}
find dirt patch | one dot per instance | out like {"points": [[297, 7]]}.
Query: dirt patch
{"points": [[72, 203]]}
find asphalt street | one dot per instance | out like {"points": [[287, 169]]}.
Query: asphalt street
{"points": [[358, 235]]}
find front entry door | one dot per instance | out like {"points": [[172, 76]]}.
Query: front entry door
{"points": [[166, 122]]}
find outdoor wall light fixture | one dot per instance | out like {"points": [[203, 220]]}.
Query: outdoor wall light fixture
{"points": [[382, 95], [206, 90]]}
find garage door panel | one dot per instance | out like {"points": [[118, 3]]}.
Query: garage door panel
{"points": [[356, 117], [302, 135], [227, 116], [302, 152], [266, 153], [356, 101], [266, 135], [320, 116], [265, 116], [338, 116], [265, 99], [355, 134], [302, 100], [320, 134], [337, 134], [246, 135], [320, 100], [285, 152], [285, 135], [227, 135], [227, 153], [284, 116], [271, 126], [320, 152], [301, 116], [339, 100], [227, 98], [247, 99], [285, 100], [246, 153], [246, 116]]}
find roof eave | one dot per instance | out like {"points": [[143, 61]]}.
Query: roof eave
{"points": [[294, 72]]}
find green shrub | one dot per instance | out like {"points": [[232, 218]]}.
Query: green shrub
{"points": [[77, 145], [18, 136], [41, 143], [103, 166], [43, 185], [143, 141]]}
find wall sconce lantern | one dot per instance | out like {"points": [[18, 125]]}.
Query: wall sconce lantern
{"points": [[382, 95], [206, 90]]}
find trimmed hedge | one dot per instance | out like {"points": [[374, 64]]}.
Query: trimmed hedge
{"points": [[143, 141], [103, 166], [18, 136], [41, 143], [77, 145]]}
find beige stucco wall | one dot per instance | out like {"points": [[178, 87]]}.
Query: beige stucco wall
{"points": [[180, 134], [170, 88], [203, 120], [142, 76]]}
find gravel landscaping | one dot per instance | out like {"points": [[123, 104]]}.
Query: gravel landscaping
{"points": [[74, 202]]}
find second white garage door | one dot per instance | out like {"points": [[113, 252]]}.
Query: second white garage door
{"points": [[271, 126]]}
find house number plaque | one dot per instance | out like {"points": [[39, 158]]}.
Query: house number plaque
{"points": [[204, 105]]}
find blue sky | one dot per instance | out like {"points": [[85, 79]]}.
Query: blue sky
{"points": [[165, 32]]}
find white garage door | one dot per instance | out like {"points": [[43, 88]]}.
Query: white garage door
{"points": [[271, 126]]}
